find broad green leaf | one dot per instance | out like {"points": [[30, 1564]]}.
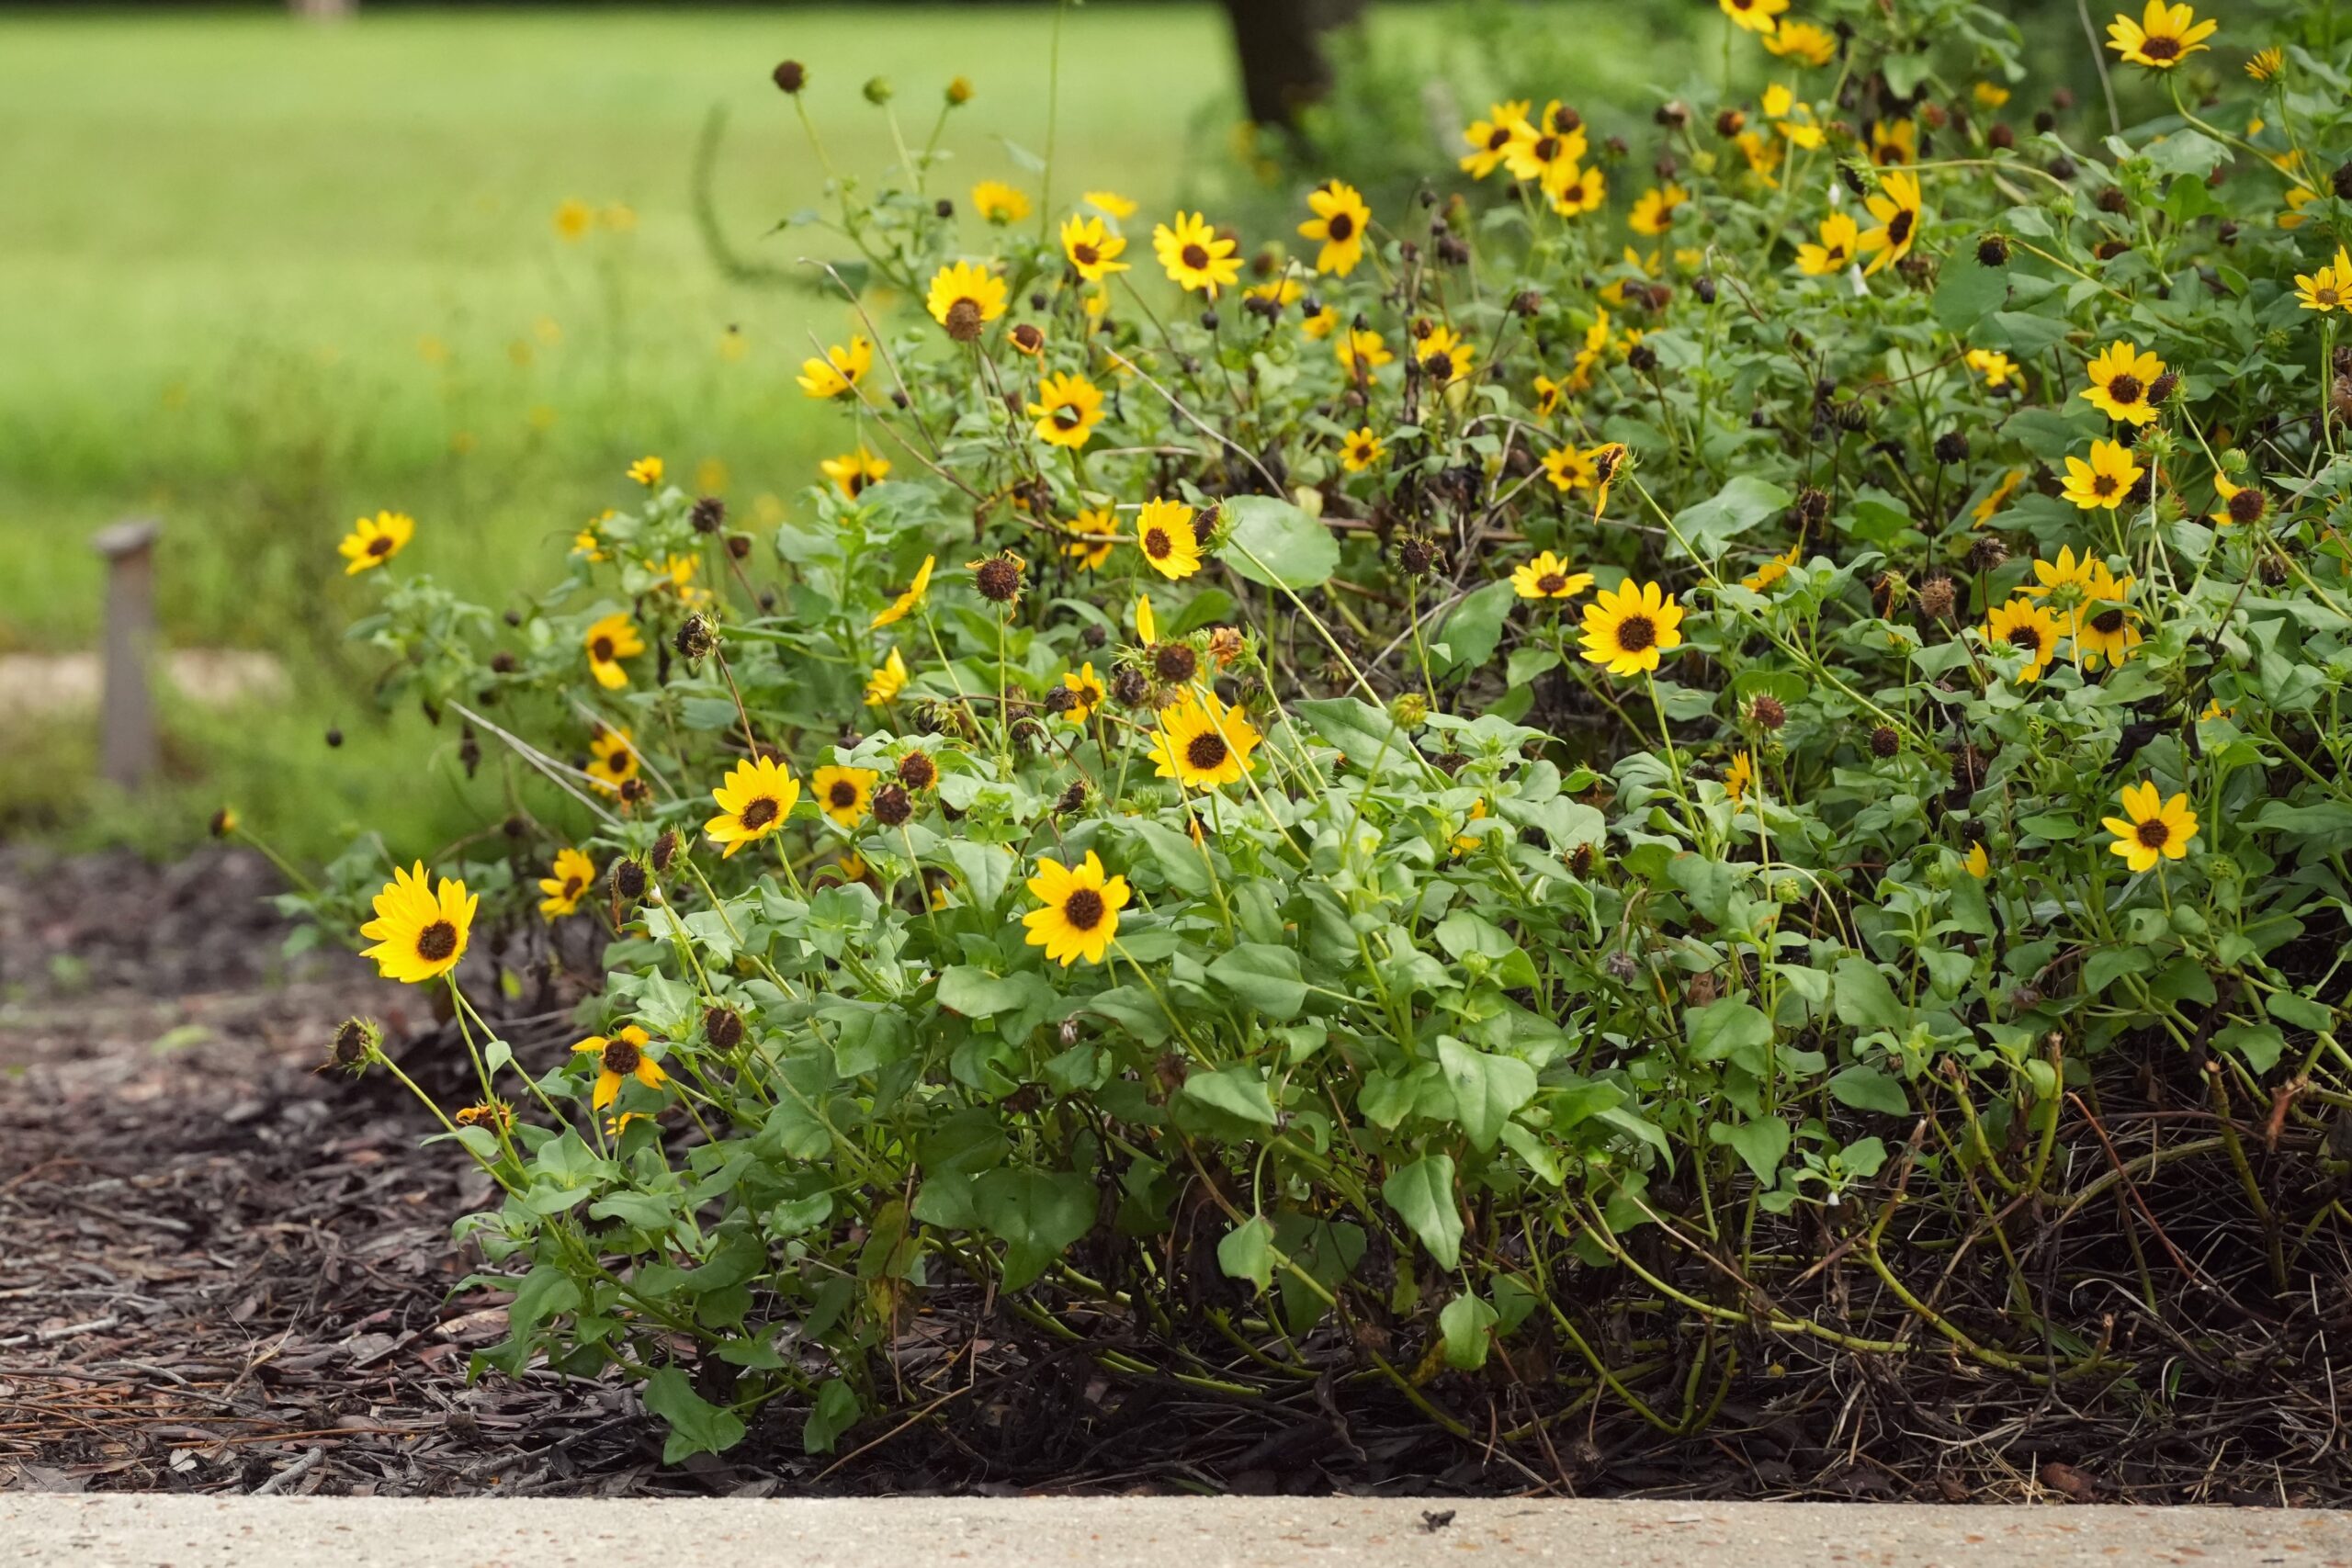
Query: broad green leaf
{"points": [[1265, 978], [696, 1426], [1487, 1088], [1247, 1252], [1464, 1325], [1237, 1090], [1705, 528], [1863, 1088], [1422, 1195], [1275, 544], [1864, 998]]}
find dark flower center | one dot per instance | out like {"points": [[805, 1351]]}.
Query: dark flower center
{"points": [[2027, 638], [621, 1057], [1067, 417], [1898, 228], [1546, 149], [1635, 633], [1604, 467], [844, 795], [601, 650], [963, 321], [2125, 389], [2160, 48], [1084, 255], [1083, 908], [2108, 623], [2246, 505], [1196, 258], [1339, 228], [759, 813], [1498, 139], [2103, 485], [1440, 367], [1206, 751], [1550, 582], [2154, 833], [572, 886], [1157, 544], [1835, 253], [436, 941], [381, 545]]}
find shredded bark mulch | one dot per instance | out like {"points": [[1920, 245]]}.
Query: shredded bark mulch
{"points": [[226, 1271]]}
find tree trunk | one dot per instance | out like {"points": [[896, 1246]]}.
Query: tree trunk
{"points": [[1281, 46]]}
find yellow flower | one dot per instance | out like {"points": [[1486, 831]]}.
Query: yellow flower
{"points": [[1164, 534], [374, 540], [1997, 496], [1320, 323], [1361, 352], [587, 543], [645, 471], [2150, 827], [998, 202], [2162, 38], [2298, 197], [2266, 64], [572, 875], [852, 471], [1654, 210], [1147, 627], [843, 793], [889, 678], [574, 218], [1548, 577], [620, 1056], [756, 797], [1339, 221], [225, 822], [1465, 841], [1755, 16], [1772, 570], [1548, 148], [899, 608], [1978, 863], [1841, 242], [1740, 777], [1194, 258], [608, 642], [1201, 743], [2232, 510], [2329, 288], [2067, 581], [2120, 376], [1087, 687], [1093, 251], [964, 298], [1998, 368], [1489, 138], [2105, 479], [840, 370], [1360, 449], [1444, 355], [612, 759], [1568, 469], [419, 932], [1082, 909], [1068, 409], [1989, 95], [1625, 630], [1110, 203], [1606, 459], [1894, 143], [1577, 191], [1549, 395], [2030, 629], [1896, 207], [1763, 156], [1803, 41], [495, 1114], [2102, 622]]}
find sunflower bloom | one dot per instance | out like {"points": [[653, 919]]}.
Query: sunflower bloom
{"points": [[1740, 777], [1068, 409], [2103, 628], [1203, 744], [1804, 41], [2329, 288], [1548, 577], [1755, 16], [1654, 210], [1840, 243], [2162, 38], [2104, 482], [889, 678], [756, 797], [1093, 251], [1998, 368], [1894, 142], [608, 642], [852, 471], [419, 932], [1165, 536], [374, 540], [2150, 827], [620, 1056], [1548, 148], [1080, 913], [1896, 207], [572, 875], [1339, 221], [2030, 627], [1086, 687], [1578, 191], [1361, 352], [843, 793], [645, 471], [1195, 259], [1627, 629], [2120, 376], [1095, 530], [841, 367], [964, 298], [2065, 582], [998, 202], [1489, 138], [1360, 449], [612, 759], [1444, 355], [899, 608]]}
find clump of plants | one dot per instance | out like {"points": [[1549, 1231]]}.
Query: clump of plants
{"points": [[1670, 767]]}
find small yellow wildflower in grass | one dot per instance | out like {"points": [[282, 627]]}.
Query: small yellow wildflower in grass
{"points": [[845, 794], [1546, 149], [1110, 203], [1087, 687], [1548, 577], [1626, 629], [1989, 95], [1654, 210], [1977, 863], [1755, 16], [888, 678], [843, 367], [1570, 468], [756, 797], [1203, 744], [964, 298], [1772, 570], [1068, 409], [1444, 355], [374, 540], [2120, 376], [1093, 251], [572, 875], [899, 608], [1740, 777], [2162, 38], [998, 202], [1998, 368], [645, 471], [1360, 449], [612, 759], [2104, 482], [1578, 191], [1082, 909], [1097, 530], [1339, 222], [1194, 256], [1840, 244], [1489, 138], [620, 1057], [1997, 497], [1804, 41], [609, 641], [2150, 827], [1361, 351], [419, 932], [1894, 142], [852, 471], [2266, 64], [2030, 627], [1897, 208], [574, 218], [2329, 288], [1164, 534], [2240, 504]]}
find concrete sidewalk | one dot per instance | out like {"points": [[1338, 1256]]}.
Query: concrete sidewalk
{"points": [[1160, 1533]]}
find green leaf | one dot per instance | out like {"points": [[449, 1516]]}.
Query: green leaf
{"points": [[2260, 1044], [1361, 731], [1265, 978], [1719, 1029], [1733, 510], [1038, 1214], [1477, 625], [1864, 998], [1464, 1324], [1967, 292], [834, 1413], [1487, 1088], [1762, 1145], [1275, 544], [1237, 1090], [1422, 1195], [1861, 1088], [1247, 1252], [696, 1426]]}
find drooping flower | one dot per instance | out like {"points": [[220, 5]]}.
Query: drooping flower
{"points": [[1194, 256], [888, 678], [1896, 207], [843, 793], [374, 540], [1093, 251], [2240, 504], [2030, 627], [964, 298], [2162, 38], [1165, 536], [1740, 777], [1339, 222], [2104, 482], [419, 932], [1548, 577], [1840, 243], [1080, 913], [852, 471], [2102, 624], [620, 1056], [1626, 629], [1068, 409], [1083, 683], [753, 800], [2120, 376], [998, 202], [1201, 743], [2150, 827], [608, 642], [899, 608], [572, 875], [1360, 449], [843, 367], [1489, 138]]}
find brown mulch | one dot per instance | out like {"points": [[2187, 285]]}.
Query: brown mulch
{"points": [[225, 1271]]}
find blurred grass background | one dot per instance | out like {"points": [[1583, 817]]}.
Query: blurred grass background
{"points": [[261, 276]]}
